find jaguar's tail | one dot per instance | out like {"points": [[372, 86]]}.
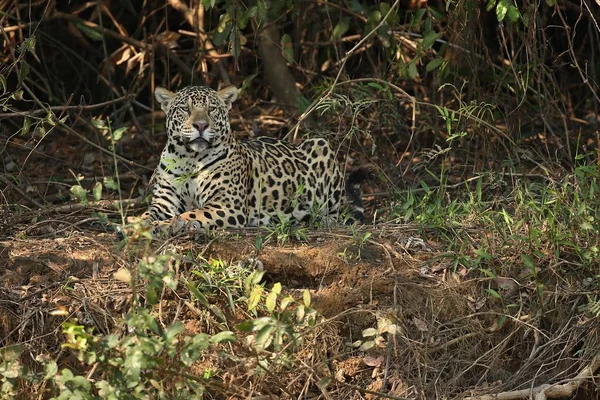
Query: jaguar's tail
{"points": [[353, 185]]}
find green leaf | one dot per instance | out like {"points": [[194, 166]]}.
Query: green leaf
{"points": [[429, 39], [356, 6], [487, 272], [502, 9], [254, 298], [79, 193], [245, 17], [493, 293], [302, 103], [482, 254], [287, 48], [276, 288], [366, 345], [217, 312], [436, 13], [110, 183], [323, 383], [50, 369], [340, 29], [392, 18], [222, 32], [26, 126], [412, 69], [551, 3], [300, 313], [261, 11], [417, 17], [245, 326], [256, 277], [264, 335], [285, 302], [151, 295], [434, 64], [111, 341], [102, 217], [501, 321], [306, 298], [117, 134], [17, 95], [99, 123], [513, 14], [93, 33], [586, 226], [235, 43], [66, 374], [192, 351], [271, 301], [369, 332], [528, 261], [97, 191], [132, 367], [490, 5], [170, 334], [246, 83], [197, 294], [258, 242], [225, 336], [11, 352]]}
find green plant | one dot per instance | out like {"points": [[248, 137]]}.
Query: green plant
{"points": [[285, 230], [376, 337], [282, 327]]}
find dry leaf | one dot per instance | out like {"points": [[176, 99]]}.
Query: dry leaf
{"points": [[421, 325], [123, 275], [373, 361]]}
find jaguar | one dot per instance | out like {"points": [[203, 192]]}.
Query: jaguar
{"points": [[207, 178]]}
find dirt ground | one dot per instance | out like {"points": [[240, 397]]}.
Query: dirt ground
{"points": [[449, 342]]}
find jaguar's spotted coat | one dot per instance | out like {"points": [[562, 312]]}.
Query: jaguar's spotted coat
{"points": [[208, 179]]}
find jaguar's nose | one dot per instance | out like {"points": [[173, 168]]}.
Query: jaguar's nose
{"points": [[201, 126]]}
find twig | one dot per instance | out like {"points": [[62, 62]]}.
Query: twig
{"points": [[70, 208], [189, 16], [22, 193], [349, 54], [80, 107]]}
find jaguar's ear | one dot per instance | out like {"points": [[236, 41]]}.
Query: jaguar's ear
{"points": [[228, 95], [164, 97]]}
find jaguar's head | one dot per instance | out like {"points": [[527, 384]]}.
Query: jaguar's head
{"points": [[197, 116]]}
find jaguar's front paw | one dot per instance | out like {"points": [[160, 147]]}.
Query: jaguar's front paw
{"points": [[161, 229], [175, 226], [180, 225]]}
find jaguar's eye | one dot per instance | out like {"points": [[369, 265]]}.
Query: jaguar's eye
{"points": [[185, 109]]}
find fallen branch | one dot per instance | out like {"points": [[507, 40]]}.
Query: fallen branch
{"points": [[75, 207], [547, 391]]}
